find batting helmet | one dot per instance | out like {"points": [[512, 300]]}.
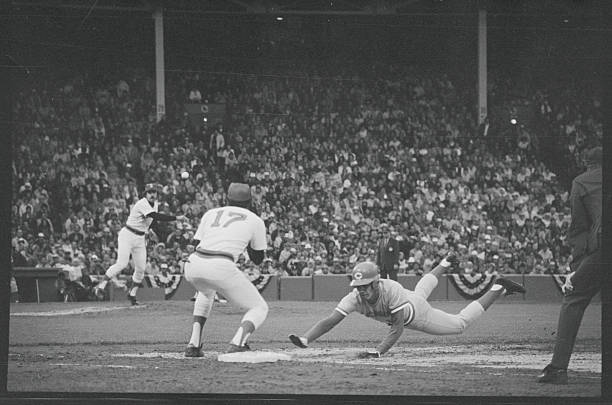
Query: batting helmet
{"points": [[364, 273]]}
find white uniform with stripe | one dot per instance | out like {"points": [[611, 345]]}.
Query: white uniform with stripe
{"points": [[418, 313], [224, 233], [131, 240]]}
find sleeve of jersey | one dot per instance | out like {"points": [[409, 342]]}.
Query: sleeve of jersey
{"points": [[144, 209], [259, 241], [398, 302], [348, 304], [199, 235]]}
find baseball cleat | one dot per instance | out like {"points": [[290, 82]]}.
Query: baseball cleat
{"points": [[510, 286], [193, 351], [235, 348], [99, 293], [296, 340], [553, 375], [220, 300], [133, 300]]}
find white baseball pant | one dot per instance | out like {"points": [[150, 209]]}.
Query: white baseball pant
{"points": [[434, 321], [128, 243], [209, 275]]}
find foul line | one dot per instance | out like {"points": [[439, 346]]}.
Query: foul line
{"points": [[75, 311]]}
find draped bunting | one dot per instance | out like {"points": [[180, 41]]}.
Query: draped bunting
{"points": [[471, 286], [259, 280], [171, 282]]}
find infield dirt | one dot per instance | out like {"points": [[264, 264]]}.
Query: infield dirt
{"points": [[139, 350]]}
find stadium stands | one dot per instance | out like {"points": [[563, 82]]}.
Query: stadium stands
{"points": [[330, 156]]}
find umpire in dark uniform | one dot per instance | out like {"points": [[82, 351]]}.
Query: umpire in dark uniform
{"points": [[586, 277], [387, 255]]}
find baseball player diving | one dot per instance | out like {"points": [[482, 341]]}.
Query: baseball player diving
{"points": [[388, 301], [223, 234], [131, 241]]}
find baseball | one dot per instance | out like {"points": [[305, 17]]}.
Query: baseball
{"points": [[185, 175]]}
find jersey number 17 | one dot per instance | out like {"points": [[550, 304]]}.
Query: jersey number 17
{"points": [[233, 217]]}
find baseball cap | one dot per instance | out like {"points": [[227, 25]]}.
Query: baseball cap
{"points": [[151, 187], [239, 192], [364, 273]]}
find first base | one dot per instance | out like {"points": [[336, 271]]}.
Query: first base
{"points": [[252, 357]]}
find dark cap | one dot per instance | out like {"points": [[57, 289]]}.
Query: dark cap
{"points": [[239, 192], [593, 156], [151, 187]]}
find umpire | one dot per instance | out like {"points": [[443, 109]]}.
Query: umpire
{"points": [[387, 255], [586, 277]]}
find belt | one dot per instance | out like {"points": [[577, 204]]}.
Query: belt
{"points": [[410, 315], [207, 254], [137, 232]]}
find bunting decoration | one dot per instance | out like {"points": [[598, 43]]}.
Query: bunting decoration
{"points": [[472, 286], [171, 282], [168, 282], [260, 281]]}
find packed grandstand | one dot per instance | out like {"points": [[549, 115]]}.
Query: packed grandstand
{"points": [[332, 152]]}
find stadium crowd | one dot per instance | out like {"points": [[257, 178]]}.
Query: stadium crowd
{"points": [[330, 158]]}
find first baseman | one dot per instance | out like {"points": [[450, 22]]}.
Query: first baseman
{"points": [[388, 301], [223, 234], [131, 241]]}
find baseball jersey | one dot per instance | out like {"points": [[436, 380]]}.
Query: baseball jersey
{"points": [[392, 298], [138, 215], [230, 229]]}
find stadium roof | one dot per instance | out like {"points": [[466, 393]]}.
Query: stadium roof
{"points": [[329, 7]]}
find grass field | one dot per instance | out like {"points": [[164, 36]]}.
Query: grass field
{"points": [[111, 347]]}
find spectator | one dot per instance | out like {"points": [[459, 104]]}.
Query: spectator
{"points": [[14, 289], [373, 166]]}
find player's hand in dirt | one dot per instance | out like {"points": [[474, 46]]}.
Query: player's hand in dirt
{"points": [[298, 341], [370, 354]]}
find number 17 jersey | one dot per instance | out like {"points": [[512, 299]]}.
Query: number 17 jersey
{"points": [[230, 229]]}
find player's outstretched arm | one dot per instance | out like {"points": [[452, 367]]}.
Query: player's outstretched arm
{"points": [[396, 330], [158, 216], [318, 329]]}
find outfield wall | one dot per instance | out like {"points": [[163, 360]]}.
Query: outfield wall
{"points": [[38, 285]]}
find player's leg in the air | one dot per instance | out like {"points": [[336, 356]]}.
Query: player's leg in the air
{"points": [[430, 280], [437, 322], [125, 241]]}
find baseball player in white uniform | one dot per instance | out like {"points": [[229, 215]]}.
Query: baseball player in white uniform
{"points": [[223, 234], [388, 301], [131, 241]]}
